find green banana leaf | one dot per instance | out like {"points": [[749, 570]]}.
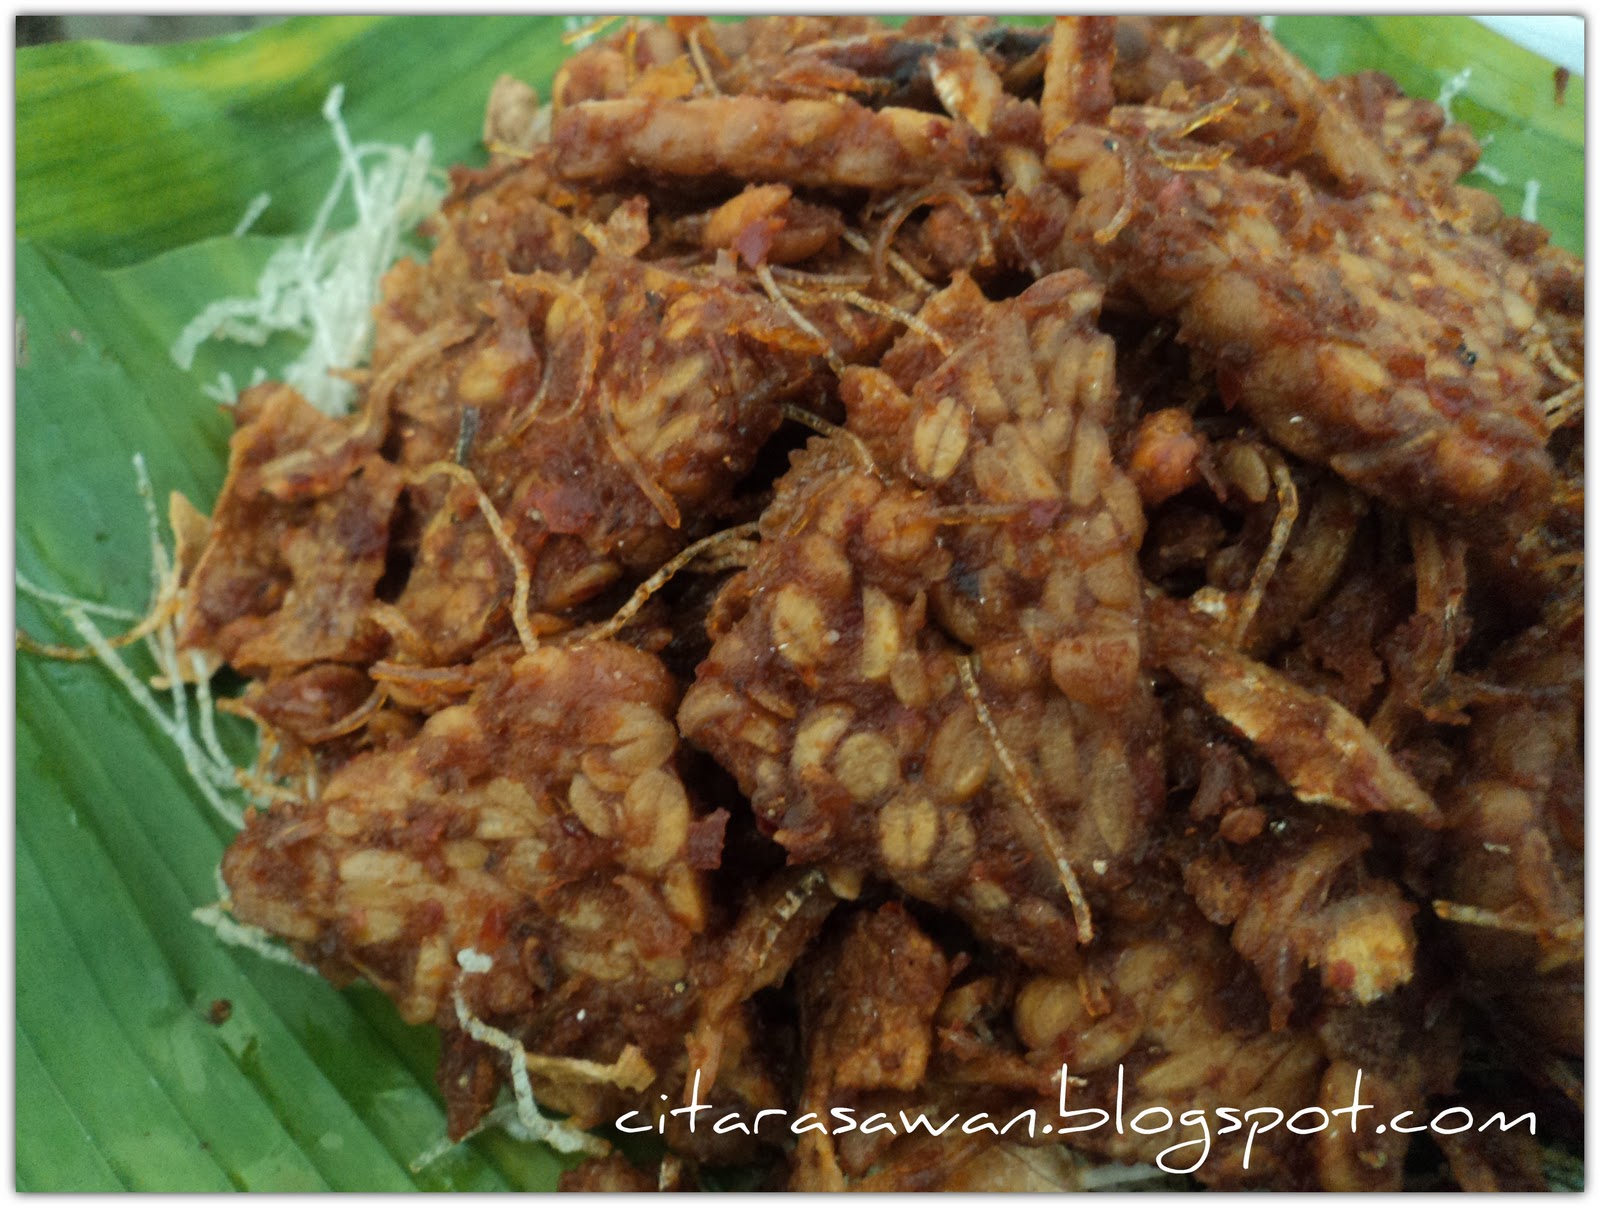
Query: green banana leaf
{"points": [[133, 166]]}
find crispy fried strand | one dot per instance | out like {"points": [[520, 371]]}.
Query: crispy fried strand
{"points": [[519, 567], [660, 579], [1017, 782]]}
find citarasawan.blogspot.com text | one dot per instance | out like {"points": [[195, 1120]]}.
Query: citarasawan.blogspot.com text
{"points": [[1197, 1127]]}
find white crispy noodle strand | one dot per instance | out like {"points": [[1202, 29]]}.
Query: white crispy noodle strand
{"points": [[258, 206], [559, 1135], [1530, 200], [208, 767], [322, 288], [242, 935], [1452, 88], [87, 607]]}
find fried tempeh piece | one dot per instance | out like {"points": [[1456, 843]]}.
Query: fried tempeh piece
{"points": [[1158, 1020], [1321, 749], [542, 825], [296, 545], [497, 220], [1359, 333], [867, 1006], [839, 769], [776, 922], [1513, 871], [870, 1000], [1299, 888], [785, 57], [612, 425], [840, 691], [791, 57], [876, 1001], [1147, 1019], [826, 144], [1300, 896]]}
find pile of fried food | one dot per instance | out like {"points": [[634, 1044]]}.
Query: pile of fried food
{"points": [[942, 570]]}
